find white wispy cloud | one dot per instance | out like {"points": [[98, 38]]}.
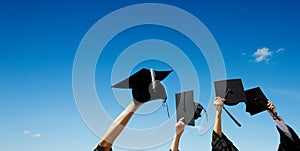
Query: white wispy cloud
{"points": [[280, 50], [36, 135], [243, 54], [26, 132], [262, 54]]}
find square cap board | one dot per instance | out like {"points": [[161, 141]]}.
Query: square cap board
{"points": [[256, 101], [185, 107], [231, 90]]}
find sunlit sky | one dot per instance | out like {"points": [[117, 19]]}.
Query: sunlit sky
{"points": [[258, 41]]}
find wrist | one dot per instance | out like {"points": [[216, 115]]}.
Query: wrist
{"points": [[274, 115], [177, 135], [134, 106], [218, 114]]}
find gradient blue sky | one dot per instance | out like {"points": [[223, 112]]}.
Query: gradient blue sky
{"points": [[38, 44]]}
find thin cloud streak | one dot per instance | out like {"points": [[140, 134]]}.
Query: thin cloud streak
{"points": [[36, 135]]}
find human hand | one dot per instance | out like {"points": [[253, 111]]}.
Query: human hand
{"points": [[272, 107], [219, 103], [179, 127]]}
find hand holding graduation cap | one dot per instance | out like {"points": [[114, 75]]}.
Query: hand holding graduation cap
{"points": [[219, 103], [179, 127], [271, 108]]}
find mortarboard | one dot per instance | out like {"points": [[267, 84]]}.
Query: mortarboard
{"points": [[145, 85], [231, 90], [198, 110], [256, 102], [187, 108], [233, 93]]}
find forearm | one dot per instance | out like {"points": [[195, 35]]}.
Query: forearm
{"points": [[175, 143], [279, 121], [218, 124], [117, 126]]}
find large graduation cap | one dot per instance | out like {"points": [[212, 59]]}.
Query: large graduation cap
{"points": [[233, 93], [257, 102], [231, 90], [145, 85], [187, 108]]}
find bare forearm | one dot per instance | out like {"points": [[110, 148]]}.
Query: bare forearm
{"points": [[218, 124], [175, 143], [118, 125]]}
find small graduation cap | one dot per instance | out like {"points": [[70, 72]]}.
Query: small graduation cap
{"points": [[198, 111], [146, 85], [187, 108], [257, 102], [233, 93]]}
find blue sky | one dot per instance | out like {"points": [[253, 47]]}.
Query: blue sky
{"points": [[38, 44]]}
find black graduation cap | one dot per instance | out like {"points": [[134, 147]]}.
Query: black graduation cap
{"points": [[256, 101], [187, 108], [198, 110], [231, 90], [145, 85], [233, 93]]}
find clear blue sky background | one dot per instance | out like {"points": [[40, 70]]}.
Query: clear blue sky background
{"points": [[38, 44]]}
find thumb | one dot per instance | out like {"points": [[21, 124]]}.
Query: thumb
{"points": [[181, 119]]}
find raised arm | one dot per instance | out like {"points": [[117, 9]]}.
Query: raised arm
{"points": [[289, 140], [218, 103], [219, 141], [117, 126], [179, 128]]}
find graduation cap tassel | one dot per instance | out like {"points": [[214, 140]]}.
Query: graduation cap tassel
{"points": [[236, 122], [165, 104], [153, 78], [275, 114], [206, 115]]}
